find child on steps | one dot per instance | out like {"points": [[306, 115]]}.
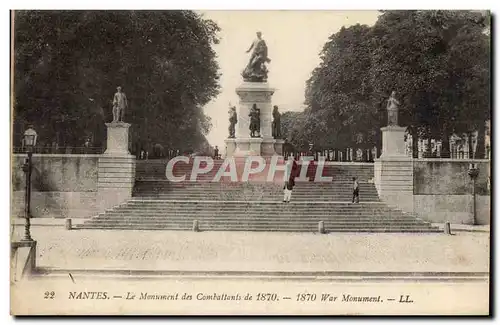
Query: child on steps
{"points": [[288, 190]]}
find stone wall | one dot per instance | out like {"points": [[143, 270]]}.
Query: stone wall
{"points": [[442, 191], [62, 185], [447, 176]]}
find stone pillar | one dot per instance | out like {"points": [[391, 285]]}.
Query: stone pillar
{"points": [[258, 93], [116, 168], [394, 181], [394, 170], [230, 147]]}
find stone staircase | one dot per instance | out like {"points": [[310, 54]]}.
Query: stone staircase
{"points": [[256, 205]]}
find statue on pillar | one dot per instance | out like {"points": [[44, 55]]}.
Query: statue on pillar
{"points": [[276, 123], [256, 70], [254, 121], [392, 109], [119, 105], [233, 119]]}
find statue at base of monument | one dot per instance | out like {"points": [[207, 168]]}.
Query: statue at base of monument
{"points": [[392, 109], [233, 119], [256, 70], [276, 123], [119, 105], [254, 121]]}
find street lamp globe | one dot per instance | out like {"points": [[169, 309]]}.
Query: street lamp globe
{"points": [[30, 137], [473, 171]]}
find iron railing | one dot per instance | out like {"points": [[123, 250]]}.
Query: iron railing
{"points": [[341, 155], [62, 150]]}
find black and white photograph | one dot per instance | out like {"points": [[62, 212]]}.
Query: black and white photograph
{"points": [[250, 162]]}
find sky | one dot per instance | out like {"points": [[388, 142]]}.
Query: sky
{"points": [[294, 39]]}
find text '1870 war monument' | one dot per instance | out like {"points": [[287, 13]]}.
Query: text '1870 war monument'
{"points": [[251, 122]]}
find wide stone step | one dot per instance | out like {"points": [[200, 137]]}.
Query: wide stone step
{"points": [[253, 178], [283, 207], [253, 204], [220, 196], [311, 173], [277, 202], [265, 226], [328, 203], [276, 217], [266, 172], [254, 207], [262, 222], [215, 188], [274, 222], [267, 229], [262, 182], [200, 190], [219, 187], [313, 190], [264, 211], [258, 214], [316, 213], [141, 211], [207, 189], [249, 197], [336, 189], [246, 196], [254, 214]]}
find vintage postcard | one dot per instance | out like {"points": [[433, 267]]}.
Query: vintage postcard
{"points": [[184, 162]]}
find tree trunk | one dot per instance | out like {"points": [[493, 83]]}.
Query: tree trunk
{"points": [[471, 148], [445, 144], [480, 148], [427, 143], [414, 143]]}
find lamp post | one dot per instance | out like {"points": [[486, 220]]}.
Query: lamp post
{"points": [[473, 173], [29, 140]]}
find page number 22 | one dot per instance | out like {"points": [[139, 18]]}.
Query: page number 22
{"points": [[49, 295]]}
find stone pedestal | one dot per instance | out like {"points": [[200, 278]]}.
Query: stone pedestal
{"points": [[117, 141], [393, 141], [26, 259], [394, 170], [248, 147], [116, 168], [278, 146], [258, 93], [267, 147]]}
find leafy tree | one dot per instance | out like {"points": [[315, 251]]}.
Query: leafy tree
{"points": [[338, 92], [437, 61], [287, 122], [68, 64]]}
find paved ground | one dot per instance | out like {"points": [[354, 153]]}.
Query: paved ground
{"points": [[249, 251]]}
